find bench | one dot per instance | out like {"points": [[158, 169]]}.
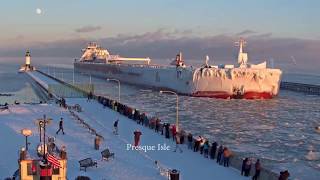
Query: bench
{"points": [[106, 154], [3, 108], [88, 162]]}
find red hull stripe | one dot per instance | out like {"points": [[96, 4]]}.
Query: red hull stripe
{"points": [[226, 95]]}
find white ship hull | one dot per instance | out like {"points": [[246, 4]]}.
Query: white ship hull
{"points": [[248, 83]]}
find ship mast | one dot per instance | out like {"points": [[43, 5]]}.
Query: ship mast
{"points": [[242, 57]]}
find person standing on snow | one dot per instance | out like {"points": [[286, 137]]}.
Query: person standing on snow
{"points": [[226, 157], [190, 139], [220, 151], [177, 137], [157, 125], [115, 126], [202, 140], [197, 144], [174, 132], [213, 150], [137, 135], [258, 169], [60, 126], [206, 149], [167, 131], [247, 168], [244, 162]]}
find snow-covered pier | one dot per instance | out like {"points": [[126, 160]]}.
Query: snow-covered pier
{"points": [[191, 165], [300, 87]]}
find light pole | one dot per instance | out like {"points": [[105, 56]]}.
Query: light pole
{"points": [[73, 76], [118, 84], [42, 123], [54, 71], [177, 107], [26, 133]]}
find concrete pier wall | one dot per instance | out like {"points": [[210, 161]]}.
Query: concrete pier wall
{"points": [[300, 87]]}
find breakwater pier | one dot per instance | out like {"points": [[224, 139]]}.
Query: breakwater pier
{"points": [[300, 87]]}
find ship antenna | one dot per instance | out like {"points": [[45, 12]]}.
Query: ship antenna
{"points": [[206, 61], [242, 57], [294, 60]]}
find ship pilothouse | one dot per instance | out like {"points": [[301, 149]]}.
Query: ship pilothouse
{"points": [[95, 53]]}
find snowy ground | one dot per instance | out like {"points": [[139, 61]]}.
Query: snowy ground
{"points": [[128, 164], [191, 165], [79, 143]]}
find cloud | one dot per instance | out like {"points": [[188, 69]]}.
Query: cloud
{"points": [[246, 32], [263, 35], [164, 44], [86, 29]]}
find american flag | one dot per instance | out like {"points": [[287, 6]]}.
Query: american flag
{"points": [[53, 160]]}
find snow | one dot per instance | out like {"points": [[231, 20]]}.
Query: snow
{"points": [[128, 163], [191, 165], [79, 143]]}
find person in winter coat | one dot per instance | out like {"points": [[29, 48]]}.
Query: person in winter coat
{"points": [[258, 169], [201, 145], [60, 126], [219, 155], [182, 136], [167, 130], [115, 126], [190, 139], [226, 157], [247, 168], [284, 175], [156, 129], [206, 149], [173, 132], [213, 150], [137, 135], [243, 167], [145, 120], [197, 144], [177, 138]]}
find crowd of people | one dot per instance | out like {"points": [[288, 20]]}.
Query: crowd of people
{"points": [[221, 153]]}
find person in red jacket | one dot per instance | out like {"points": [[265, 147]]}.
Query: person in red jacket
{"points": [[174, 131], [137, 135]]}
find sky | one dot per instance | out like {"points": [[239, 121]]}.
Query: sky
{"points": [[159, 28]]}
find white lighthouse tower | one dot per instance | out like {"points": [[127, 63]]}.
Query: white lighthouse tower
{"points": [[27, 66], [28, 59]]}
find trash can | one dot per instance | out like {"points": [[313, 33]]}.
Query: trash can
{"points": [[174, 174]]}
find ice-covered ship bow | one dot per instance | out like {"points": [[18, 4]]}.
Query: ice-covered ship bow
{"points": [[244, 80]]}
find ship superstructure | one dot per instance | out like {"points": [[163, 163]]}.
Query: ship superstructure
{"points": [[243, 80]]}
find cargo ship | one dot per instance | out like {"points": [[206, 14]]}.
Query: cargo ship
{"points": [[240, 81]]}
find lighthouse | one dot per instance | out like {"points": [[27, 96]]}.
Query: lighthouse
{"points": [[27, 66], [28, 59]]}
